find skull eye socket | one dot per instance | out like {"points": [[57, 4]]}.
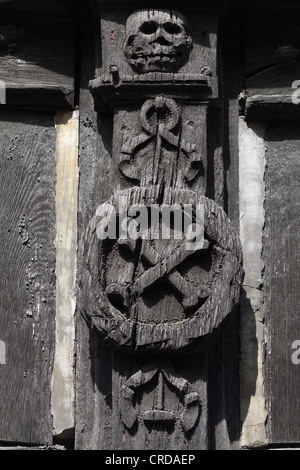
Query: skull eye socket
{"points": [[172, 28], [149, 27]]}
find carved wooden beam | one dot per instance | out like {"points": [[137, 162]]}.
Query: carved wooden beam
{"points": [[37, 55], [157, 288]]}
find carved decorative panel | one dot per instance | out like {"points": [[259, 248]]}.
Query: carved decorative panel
{"points": [[160, 263], [160, 294]]}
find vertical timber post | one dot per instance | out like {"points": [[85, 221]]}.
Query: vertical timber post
{"points": [[155, 290]]}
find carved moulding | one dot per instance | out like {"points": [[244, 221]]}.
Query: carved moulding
{"points": [[114, 88], [156, 51], [162, 373]]}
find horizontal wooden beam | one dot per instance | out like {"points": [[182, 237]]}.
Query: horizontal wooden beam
{"points": [[271, 108], [211, 6], [39, 96], [37, 55]]}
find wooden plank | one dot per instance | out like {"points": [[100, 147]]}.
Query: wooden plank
{"points": [[39, 70], [27, 284], [270, 108], [261, 48], [230, 108], [93, 360], [138, 400], [271, 61], [282, 261]]}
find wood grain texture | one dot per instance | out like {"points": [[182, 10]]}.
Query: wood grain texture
{"points": [[27, 286], [94, 361], [271, 61], [140, 401], [155, 428], [40, 72], [281, 293]]}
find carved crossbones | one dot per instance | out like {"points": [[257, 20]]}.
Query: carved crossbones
{"points": [[161, 268], [191, 402], [167, 268]]}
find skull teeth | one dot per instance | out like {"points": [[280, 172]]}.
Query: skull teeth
{"points": [[157, 39], [155, 63], [155, 55], [155, 58]]}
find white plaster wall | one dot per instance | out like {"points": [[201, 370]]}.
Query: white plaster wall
{"points": [[67, 175], [252, 216]]}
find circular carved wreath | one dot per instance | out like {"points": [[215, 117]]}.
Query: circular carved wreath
{"points": [[156, 295]]}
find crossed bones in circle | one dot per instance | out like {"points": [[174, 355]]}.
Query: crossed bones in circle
{"points": [[160, 268]]}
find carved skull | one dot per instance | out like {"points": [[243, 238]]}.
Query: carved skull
{"points": [[157, 41]]}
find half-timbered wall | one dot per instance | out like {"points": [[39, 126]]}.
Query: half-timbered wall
{"points": [[122, 345]]}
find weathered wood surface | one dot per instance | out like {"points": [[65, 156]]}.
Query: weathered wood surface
{"points": [[207, 6], [111, 53], [39, 71], [94, 361], [130, 401], [156, 416], [272, 44], [281, 292], [27, 285], [272, 61]]}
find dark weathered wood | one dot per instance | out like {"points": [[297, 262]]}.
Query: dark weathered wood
{"points": [[39, 71], [223, 388], [231, 33], [203, 29], [271, 81], [159, 311], [207, 6], [93, 364], [154, 415], [270, 108], [27, 285], [141, 298], [223, 356], [262, 51], [281, 294], [271, 61]]}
